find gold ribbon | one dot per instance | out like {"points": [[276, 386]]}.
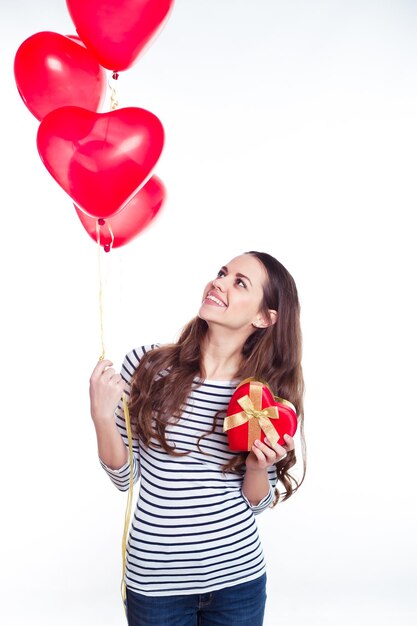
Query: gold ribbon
{"points": [[258, 419]]}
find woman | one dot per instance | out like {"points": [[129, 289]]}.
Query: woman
{"points": [[194, 555]]}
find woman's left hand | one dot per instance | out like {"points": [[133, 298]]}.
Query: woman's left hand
{"points": [[263, 455]]}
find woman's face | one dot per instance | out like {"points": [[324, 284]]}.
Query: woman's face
{"points": [[233, 299]]}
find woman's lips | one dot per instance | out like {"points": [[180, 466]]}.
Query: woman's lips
{"points": [[212, 300]]}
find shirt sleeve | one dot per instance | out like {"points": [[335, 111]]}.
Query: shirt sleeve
{"points": [[269, 498], [120, 476]]}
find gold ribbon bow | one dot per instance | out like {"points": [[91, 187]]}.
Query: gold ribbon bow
{"points": [[258, 418]]}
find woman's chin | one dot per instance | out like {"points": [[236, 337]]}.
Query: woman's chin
{"points": [[208, 313]]}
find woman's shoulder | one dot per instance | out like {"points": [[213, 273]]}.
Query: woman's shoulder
{"points": [[133, 358]]}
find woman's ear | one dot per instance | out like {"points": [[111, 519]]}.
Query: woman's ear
{"points": [[263, 321], [273, 315]]}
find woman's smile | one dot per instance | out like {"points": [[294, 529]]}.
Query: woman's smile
{"points": [[213, 299]]}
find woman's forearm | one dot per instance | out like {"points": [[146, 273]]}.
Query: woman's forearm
{"points": [[256, 485], [111, 447]]}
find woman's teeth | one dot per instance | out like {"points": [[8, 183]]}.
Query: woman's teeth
{"points": [[215, 300]]}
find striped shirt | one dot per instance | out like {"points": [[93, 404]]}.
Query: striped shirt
{"points": [[193, 530]]}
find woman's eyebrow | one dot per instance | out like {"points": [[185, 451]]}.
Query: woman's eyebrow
{"points": [[238, 274], [243, 276]]}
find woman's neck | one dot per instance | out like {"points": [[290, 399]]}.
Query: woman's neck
{"points": [[221, 354]]}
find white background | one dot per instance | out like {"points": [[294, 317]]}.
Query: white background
{"points": [[291, 127]]}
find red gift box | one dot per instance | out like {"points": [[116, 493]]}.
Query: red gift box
{"points": [[255, 413]]}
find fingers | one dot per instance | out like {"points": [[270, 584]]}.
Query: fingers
{"points": [[270, 453], [100, 368], [273, 454], [112, 379], [289, 442], [105, 373], [260, 456], [264, 455], [282, 449], [106, 388]]}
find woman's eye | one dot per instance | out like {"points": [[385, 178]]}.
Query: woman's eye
{"points": [[220, 274], [240, 282]]}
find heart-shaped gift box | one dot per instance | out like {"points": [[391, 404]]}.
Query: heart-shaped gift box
{"points": [[255, 413]]}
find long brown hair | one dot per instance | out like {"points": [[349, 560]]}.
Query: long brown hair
{"points": [[165, 375]]}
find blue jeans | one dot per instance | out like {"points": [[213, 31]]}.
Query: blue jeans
{"points": [[240, 605]]}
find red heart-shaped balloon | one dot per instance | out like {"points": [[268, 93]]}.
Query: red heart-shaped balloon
{"points": [[129, 221], [100, 159], [52, 71], [242, 435], [117, 32]]}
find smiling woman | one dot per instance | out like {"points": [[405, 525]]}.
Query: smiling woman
{"points": [[237, 297], [194, 550]]}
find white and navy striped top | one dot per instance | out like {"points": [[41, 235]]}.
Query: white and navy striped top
{"points": [[193, 530]]}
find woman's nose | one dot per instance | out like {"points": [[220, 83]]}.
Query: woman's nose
{"points": [[218, 283]]}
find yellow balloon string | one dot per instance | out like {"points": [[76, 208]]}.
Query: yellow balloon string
{"points": [[100, 292], [111, 234], [114, 102], [128, 510]]}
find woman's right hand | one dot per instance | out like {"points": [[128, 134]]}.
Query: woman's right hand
{"points": [[106, 389]]}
